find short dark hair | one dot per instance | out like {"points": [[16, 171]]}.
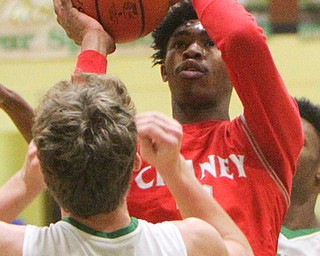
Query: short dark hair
{"points": [[86, 137], [310, 112], [178, 15]]}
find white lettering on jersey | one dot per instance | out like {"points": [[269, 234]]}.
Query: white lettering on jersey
{"points": [[205, 169], [239, 164], [208, 167], [139, 180], [224, 168]]}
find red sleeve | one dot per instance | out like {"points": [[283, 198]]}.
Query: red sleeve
{"points": [[270, 112], [91, 61]]}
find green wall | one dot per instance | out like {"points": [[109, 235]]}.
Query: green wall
{"points": [[297, 60]]}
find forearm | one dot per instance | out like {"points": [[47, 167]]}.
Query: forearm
{"points": [[20, 112], [193, 201], [95, 46], [22, 115], [97, 41], [15, 196]]}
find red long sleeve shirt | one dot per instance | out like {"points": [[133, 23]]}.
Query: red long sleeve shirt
{"points": [[247, 164]]}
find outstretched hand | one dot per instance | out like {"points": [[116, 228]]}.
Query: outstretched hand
{"points": [[160, 141], [79, 26]]}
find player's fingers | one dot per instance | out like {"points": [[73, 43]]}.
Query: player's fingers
{"points": [[57, 6], [32, 148], [157, 115], [149, 129], [167, 124], [157, 137], [66, 4], [62, 7]]}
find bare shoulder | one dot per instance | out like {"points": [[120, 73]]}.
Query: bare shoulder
{"points": [[200, 238], [11, 242]]}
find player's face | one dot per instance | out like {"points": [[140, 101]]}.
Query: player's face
{"points": [[193, 67], [309, 160]]}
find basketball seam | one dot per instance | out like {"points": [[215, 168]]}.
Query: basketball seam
{"points": [[98, 14], [143, 24]]}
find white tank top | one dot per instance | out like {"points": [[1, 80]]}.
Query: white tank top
{"points": [[70, 238]]}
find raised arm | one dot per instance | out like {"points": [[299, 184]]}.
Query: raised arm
{"points": [[160, 140], [22, 187], [20, 112], [270, 113]]}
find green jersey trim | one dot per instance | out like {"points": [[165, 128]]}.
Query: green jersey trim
{"points": [[288, 233], [118, 233]]}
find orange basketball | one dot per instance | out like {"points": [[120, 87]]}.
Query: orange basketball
{"points": [[125, 20]]}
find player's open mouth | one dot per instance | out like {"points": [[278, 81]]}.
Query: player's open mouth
{"points": [[191, 69], [190, 74]]}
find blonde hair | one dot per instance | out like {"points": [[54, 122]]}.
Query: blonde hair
{"points": [[87, 141]]}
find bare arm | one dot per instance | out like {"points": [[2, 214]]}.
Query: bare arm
{"points": [[22, 187], [160, 139], [20, 112]]}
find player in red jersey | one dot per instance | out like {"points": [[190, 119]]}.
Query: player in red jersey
{"points": [[246, 163]]}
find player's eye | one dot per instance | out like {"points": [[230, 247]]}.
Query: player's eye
{"points": [[179, 45]]}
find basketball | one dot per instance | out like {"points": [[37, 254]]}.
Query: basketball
{"points": [[125, 20]]}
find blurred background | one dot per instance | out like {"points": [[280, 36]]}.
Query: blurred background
{"points": [[35, 53]]}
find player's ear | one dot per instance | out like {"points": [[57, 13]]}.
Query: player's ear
{"points": [[164, 73], [137, 163]]}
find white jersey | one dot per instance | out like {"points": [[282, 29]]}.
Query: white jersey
{"points": [[301, 242], [71, 238]]}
